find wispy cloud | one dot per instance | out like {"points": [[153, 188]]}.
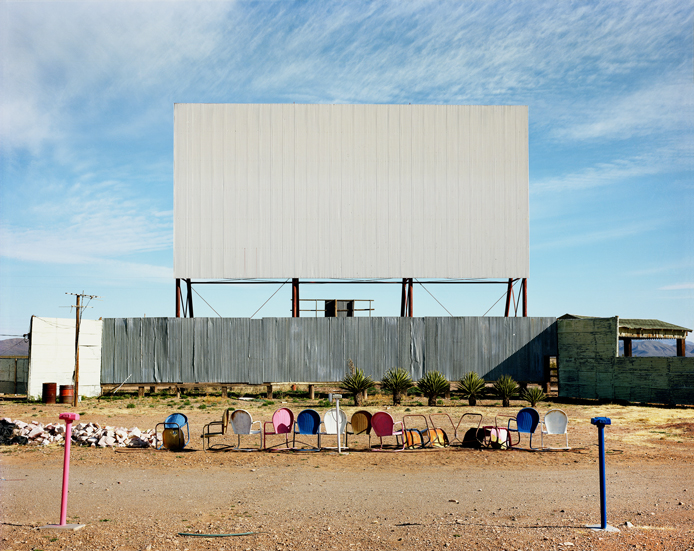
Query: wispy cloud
{"points": [[579, 238], [677, 287], [84, 223], [602, 174], [657, 108], [442, 52]]}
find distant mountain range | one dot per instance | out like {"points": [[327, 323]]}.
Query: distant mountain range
{"points": [[20, 347], [656, 348], [14, 347]]}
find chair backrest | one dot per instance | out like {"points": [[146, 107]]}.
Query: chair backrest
{"points": [[556, 422], [172, 435], [283, 421], [330, 421], [175, 421], [241, 421], [527, 420], [361, 422], [307, 422], [382, 423]]}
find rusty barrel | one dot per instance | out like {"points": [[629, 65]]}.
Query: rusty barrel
{"points": [[67, 394], [48, 393]]}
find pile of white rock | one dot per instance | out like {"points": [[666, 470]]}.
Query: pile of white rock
{"points": [[84, 434]]}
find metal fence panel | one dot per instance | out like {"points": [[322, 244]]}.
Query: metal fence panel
{"points": [[240, 350], [14, 374]]}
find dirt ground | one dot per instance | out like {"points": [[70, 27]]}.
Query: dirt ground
{"points": [[449, 498]]}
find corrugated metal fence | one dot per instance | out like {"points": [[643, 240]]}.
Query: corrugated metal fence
{"points": [[13, 374], [241, 350]]}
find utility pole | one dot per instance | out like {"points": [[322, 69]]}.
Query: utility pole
{"points": [[78, 319]]}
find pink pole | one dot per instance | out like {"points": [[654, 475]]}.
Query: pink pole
{"points": [[69, 418]]}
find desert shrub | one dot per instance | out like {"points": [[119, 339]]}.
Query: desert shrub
{"points": [[130, 406], [432, 385], [506, 388], [472, 387], [534, 395], [356, 383], [398, 382]]}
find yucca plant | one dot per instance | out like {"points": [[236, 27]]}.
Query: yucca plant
{"points": [[534, 395], [397, 381], [433, 384], [506, 388], [471, 386], [356, 383]]}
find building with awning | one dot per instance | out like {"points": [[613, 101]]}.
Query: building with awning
{"points": [[644, 329]]}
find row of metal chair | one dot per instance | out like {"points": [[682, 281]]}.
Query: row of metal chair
{"points": [[414, 430]]}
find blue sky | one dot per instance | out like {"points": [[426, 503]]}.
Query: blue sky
{"points": [[86, 139]]}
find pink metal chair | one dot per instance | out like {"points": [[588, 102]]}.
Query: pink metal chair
{"points": [[383, 426], [282, 423]]}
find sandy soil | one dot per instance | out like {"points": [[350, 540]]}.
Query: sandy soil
{"points": [[439, 499]]}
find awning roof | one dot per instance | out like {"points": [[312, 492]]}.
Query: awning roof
{"points": [[643, 328]]}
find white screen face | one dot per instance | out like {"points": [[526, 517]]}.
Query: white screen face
{"points": [[350, 191]]}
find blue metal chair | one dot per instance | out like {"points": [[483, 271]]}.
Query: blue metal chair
{"points": [[526, 421], [307, 424], [173, 438]]}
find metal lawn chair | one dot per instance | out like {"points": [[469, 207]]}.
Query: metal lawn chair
{"points": [[173, 437], [556, 422], [526, 421], [307, 424], [415, 430], [458, 434], [360, 423], [383, 426], [214, 429], [330, 425], [242, 423], [282, 423]]}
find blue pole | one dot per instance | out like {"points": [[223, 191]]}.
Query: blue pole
{"points": [[600, 422], [603, 498]]}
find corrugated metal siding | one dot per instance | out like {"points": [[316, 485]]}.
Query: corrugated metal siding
{"points": [[14, 374], [240, 350], [343, 191]]}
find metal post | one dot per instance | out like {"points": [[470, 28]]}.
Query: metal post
{"points": [[600, 422], [410, 306], [68, 418], [339, 429], [178, 297], [525, 297], [603, 497], [403, 298], [295, 297], [509, 291], [189, 284]]}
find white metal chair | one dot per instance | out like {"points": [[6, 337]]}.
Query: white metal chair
{"points": [[555, 422], [242, 423], [330, 425]]}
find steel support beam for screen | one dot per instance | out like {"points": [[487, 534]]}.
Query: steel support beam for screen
{"points": [[185, 308], [522, 297]]}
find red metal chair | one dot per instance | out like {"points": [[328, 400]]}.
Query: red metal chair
{"points": [[383, 426]]}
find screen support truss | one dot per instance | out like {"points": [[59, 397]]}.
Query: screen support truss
{"points": [[406, 301], [188, 305], [522, 297]]}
